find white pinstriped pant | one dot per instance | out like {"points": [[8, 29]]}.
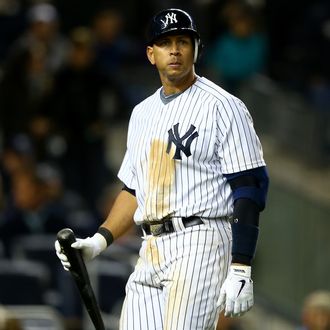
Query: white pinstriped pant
{"points": [[177, 279]]}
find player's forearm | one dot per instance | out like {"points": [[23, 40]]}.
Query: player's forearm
{"points": [[120, 218]]}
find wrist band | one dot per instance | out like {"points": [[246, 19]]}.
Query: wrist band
{"points": [[106, 233], [241, 259]]}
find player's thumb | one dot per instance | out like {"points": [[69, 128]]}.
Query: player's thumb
{"points": [[78, 244]]}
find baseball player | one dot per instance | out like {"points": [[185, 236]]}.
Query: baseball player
{"points": [[194, 180]]}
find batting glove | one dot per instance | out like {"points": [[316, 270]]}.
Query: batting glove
{"points": [[90, 247], [236, 294]]}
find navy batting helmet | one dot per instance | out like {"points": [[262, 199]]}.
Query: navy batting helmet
{"points": [[173, 21]]}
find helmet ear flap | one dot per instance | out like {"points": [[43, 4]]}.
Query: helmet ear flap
{"points": [[198, 49]]}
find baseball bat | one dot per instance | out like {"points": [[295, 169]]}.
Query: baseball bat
{"points": [[80, 275]]}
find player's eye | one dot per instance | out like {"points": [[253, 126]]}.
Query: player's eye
{"points": [[162, 42], [183, 42]]}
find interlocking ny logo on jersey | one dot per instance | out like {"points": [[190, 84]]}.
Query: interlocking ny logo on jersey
{"points": [[173, 136], [170, 19]]}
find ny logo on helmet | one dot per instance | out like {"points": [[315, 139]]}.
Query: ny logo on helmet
{"points": [[174, 137], [170, 19]]}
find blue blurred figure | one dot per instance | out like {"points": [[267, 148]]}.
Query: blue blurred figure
{"points": [[241, 51]]}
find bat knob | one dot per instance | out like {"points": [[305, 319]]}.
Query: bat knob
{"points": [[66, 237]]}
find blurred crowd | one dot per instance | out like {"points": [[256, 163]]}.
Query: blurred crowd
{"points": [[60, 94], [62, 90], [62, 86]]}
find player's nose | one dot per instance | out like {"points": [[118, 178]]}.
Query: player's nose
{"points": [[174, 48]]}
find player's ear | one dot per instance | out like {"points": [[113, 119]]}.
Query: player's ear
{"points": [[150, 55]]}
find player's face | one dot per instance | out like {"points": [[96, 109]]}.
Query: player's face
{"points": [[173, 57]]}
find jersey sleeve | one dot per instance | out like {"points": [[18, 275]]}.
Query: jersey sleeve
{"points": [[126, 172], [239, 146]]}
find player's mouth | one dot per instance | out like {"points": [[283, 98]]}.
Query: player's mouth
{"points": [[174, 64]]}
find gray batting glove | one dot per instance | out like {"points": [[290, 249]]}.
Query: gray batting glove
{"points": [[90, 247], [236, 294]]}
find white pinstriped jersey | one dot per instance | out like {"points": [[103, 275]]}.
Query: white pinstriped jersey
{"points": [[178, 152]]}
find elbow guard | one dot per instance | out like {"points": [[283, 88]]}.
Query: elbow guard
{"points": [[251, 184]]}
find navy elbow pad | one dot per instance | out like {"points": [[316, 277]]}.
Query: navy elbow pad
{"points": [[251, 184]]}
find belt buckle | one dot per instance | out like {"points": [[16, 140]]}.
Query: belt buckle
{"points": [[156, 229]]}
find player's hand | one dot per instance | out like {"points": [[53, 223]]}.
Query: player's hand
{"points": [[236, 294], [60, 254], [90, 247]]}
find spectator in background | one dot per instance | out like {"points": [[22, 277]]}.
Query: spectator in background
{"points": [[11, 24], [241, 51], [33, 208], [34, 193], [110, 46], [17, 155], [83, 101], [28, 77], [116, 53], [23, 90], [316, 311], [43, 30]]}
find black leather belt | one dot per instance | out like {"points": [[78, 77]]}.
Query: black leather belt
{"points": [[166, 226]]}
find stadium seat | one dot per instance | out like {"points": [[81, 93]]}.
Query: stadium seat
{"points": [[38, 248], [23, 282], [37, 317]]}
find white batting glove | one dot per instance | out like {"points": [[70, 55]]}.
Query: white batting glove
{"points": [[63, 258], [90, 247], [236, 294]]}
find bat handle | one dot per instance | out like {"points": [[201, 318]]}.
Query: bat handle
{"points": [[79, 272], [66, 237]]}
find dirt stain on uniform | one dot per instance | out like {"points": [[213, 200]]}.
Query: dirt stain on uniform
{"points": [[152, 252], [177, 295], [160, 180]]}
